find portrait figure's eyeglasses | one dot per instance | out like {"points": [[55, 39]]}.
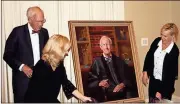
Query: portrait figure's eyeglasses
{"points": [[105, 44]]}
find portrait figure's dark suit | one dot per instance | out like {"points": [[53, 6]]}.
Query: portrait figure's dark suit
{"points": [[169, 73], [101, 71], [18, 50]]}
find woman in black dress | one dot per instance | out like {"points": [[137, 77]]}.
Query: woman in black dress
{"points": [[49, 74]]}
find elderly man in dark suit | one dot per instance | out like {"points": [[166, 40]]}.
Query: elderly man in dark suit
{"points": [[23, 49], [107, 80]]}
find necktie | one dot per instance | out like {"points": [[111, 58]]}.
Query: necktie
{"points": [[108, 59], [33, 32]]}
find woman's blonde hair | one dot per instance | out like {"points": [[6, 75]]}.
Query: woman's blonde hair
{"points": [[173, 29], [55, 49]]}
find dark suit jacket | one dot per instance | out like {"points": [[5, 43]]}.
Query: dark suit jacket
{"points": [[170, 69], [100, 71], [18, 50], [45, 84]]}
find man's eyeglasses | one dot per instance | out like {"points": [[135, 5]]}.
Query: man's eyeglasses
{"points": [[42, 21]]}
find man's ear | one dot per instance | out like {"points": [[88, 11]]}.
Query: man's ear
{"points": [[30, 20], [100, 47]]}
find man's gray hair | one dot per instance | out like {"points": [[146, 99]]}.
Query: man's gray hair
{"points": [[31, 11]]}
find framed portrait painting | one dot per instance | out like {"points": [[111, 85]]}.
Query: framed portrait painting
{"points": [[91, 68]]}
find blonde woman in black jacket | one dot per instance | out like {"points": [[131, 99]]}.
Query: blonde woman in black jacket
{"points": [[49, 74], [161, 64]]}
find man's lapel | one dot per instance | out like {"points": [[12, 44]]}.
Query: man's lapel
{"points": [[41, 41], [28, 39]]}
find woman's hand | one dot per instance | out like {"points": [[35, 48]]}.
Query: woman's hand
{"points": [[80, 96], [158, 95], [86, 99], [145, 78]]}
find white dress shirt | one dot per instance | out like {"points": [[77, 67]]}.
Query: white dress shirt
{"points": [[159, 59], [35, 46]]}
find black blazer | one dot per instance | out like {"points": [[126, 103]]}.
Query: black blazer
{"points": [[18, 49], [45, 84], [170, 67]]}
